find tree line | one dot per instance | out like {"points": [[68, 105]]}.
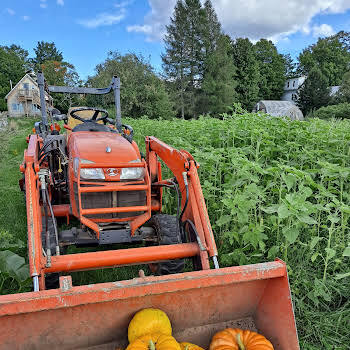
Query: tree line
{"points": [[204, 70]]}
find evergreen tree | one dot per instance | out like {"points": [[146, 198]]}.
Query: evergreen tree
{"points": [[314, 93], [184, 56], [212, 28], [290, 66], [218, 87], [247, 73], [272, 70], [45, 51]]}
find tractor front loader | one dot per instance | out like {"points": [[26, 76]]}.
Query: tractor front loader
{"points": [[95, 178]]}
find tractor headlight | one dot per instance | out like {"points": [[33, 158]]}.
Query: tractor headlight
{"points": [[132, 173], [88, 173]]}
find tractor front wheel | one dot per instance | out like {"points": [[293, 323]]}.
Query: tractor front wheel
{"points": [[167, 231]]}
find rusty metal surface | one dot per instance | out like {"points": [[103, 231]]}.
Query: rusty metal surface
{"points": [[93, 315]]}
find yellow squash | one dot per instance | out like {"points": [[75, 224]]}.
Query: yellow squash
{"points": [[155, 341], [148, 321], [189, 346]]}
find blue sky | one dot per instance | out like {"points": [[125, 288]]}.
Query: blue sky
{"points": [[85, 30]]}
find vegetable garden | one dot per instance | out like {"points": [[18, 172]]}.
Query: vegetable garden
{"points": [[274, 188]]}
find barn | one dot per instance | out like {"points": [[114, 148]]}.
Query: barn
{"points": [[279, 109]]}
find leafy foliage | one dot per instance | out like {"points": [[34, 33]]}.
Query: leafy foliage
{"points": [[247, 73], [278, 188], [143, 92], [343, 94], [331, 55], [339, 111], [14, 272], [12, 67], [314, 93], [272, 70]]}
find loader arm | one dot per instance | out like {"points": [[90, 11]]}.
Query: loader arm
{"points": [[184, 168]]}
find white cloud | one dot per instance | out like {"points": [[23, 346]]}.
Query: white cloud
{"points": [[322, 30], [60, 2], [274, 19], [123, 4], [102, 19], [155, 21], [10, 11], [107, 19], [25, 18], [43, 4]]}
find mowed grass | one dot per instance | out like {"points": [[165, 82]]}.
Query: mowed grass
{"points": [[274, 188]]}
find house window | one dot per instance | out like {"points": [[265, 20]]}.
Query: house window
{"points": [[17, 107], [288, 84], [293, 83], [26, 86], [35, 108]]}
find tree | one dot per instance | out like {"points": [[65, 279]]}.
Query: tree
{"points": [[61, 73], [290, 66], [211, 29], [143, 92], [331, 55], [45, 51], [219, 83], [183, 61], [343, 94], [314, 93], [12, 68], [247, 73], [272, 70]]}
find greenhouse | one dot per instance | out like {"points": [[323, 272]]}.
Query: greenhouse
{"points": [[279, 109]]}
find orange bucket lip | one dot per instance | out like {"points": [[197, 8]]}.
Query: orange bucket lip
{"points": [[197, 303]]}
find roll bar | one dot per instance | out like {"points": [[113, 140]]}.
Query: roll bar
{"points": [[115, 86]]}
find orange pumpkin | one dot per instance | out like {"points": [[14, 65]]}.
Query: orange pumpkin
{"points": [[189, 346], [156, 341], [238, 339]]}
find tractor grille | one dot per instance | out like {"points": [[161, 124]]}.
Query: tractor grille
{"points": [[110, 200]]}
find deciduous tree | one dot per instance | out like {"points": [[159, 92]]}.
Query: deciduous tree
{"points": [[272, 70]]}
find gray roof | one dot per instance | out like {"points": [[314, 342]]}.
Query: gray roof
{"points": [[279, 109]]}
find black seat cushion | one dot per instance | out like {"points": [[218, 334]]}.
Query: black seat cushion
{"points": [[91, 126]]}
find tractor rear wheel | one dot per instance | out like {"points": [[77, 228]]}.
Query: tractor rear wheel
{"points": [[167, 231]]}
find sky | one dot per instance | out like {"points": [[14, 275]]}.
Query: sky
{"points": [[86, 30]]}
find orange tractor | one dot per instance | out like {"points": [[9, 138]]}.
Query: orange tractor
{"points": [[96, 173]]}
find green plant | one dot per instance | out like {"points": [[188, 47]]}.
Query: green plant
{"points": [[339, 111], [14, 272]]}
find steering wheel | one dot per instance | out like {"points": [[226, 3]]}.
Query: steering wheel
{"points": [[93, 118]]}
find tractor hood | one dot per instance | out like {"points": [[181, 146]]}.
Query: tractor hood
{"points": [[102, 147]]}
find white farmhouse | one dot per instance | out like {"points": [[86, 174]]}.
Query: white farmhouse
{"points": [[291, 88], [24, 98], [292, 85]]}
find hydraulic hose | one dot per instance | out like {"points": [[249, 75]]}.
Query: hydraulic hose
{"points": [[54, 223]]}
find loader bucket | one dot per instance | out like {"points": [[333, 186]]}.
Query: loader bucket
{"points": [[255, 297]]}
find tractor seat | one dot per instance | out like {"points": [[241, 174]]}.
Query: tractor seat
{"points": [[91, 126]]}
